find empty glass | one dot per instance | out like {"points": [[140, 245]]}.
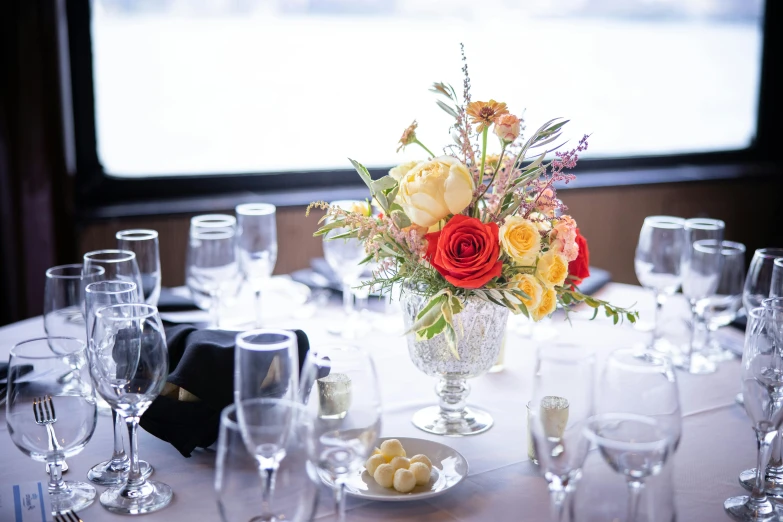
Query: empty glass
{"points": [[657, 264], [118, 265], [341, 394], [344, 257], [64, 299], [257, 244], [701, 268], [266, 364], [237, 482], [114, 471], [563, 385], [762, 389], [642, 383], [776, 286], [144, 243], [129, 365], [635, 446], [758, 283], [51, 411], [212, 271], [721, 309]]}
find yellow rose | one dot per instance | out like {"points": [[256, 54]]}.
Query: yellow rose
{"points": [[433, 189], [360, 207], [400, 170], [520, 239], [530, 285], [546, 306], [552, 269]]}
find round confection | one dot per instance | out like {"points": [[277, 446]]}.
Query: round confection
{"points": [[420, 472], [384, 475], [373, 463], [392, 448], [376, 451], [423, 459], [400, 463], [404, 481]]}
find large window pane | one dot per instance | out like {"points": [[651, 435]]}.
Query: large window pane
{"points": [[211, 87]]}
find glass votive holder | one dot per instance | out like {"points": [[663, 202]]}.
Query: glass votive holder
{"points": [[334, 396]]}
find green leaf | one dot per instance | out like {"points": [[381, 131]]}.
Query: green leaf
{"points": [[400, 219], [384, 183], [631, 318], [589, 301], [451, 340], [363, 173], [380, 197], [615, 318], [432, 331], [449, 110], [429, 314], [595, 314], [391, 195]]}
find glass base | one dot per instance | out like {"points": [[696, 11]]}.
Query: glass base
{"points": [[103, 474], [145, 498], [77, 496], [739, 508], [771, 488], [472, 422], [698, 364]]}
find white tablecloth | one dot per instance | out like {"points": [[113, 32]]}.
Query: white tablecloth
{"points": [[502, 484]]}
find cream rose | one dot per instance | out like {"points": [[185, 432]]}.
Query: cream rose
{"points": [[546, 306], [530, 285], [433, 189], [552, 269], [400, 170], [520, 239]]}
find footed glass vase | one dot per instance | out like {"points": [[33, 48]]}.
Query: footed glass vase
{"points": [[480, 328]]}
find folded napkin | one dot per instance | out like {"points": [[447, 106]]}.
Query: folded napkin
{"points": [[169, 301], [200, 385]]}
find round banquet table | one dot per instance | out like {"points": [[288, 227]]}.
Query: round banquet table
{"points": [[502, 484]]}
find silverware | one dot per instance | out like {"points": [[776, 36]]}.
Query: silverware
{"points": [[67, 516], [43, 409]]}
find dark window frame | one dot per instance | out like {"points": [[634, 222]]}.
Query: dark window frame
{"points": [[95, 189]]}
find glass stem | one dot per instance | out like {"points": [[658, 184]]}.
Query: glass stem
{"points": [[347, 299], [56, 482], [765, 440], [634, 494], [258, 308], [692, 341], [267, 470], [134, 475], [558, 497], [119, 459], [659, 300], [339, 500]]}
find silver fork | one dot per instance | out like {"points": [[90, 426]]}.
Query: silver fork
{"points": [[67, 516], [43, 409]]}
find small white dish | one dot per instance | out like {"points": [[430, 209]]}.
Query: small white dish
{"points": [[449, 468]]}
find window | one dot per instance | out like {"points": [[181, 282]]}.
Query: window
{"points": [[239, 86]]}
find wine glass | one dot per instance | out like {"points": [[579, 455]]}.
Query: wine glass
{"points": [[211, 267], [636, 446], [257, 243], [266, 364], [144, 243], [118, 265], [563, 384], [344, 422], [51, 417], [237, 480], [758, 283], [114, 471], [129, 365], [701, 268], [344, 257], [776, 286], [657, 264], [721, 308], [762, 389], [642, 383], [64, 299]]}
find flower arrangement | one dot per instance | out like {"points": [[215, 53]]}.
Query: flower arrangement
{"points": [[468, 223]]}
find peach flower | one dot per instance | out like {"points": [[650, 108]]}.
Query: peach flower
{"points": [[564, 238], [507, 127]]}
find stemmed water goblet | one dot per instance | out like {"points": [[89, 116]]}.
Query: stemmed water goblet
{"points": [[266, 364], [129, 365], [50, 417], [257, 246], [762, 389], [344, 256], [340, 392], [701, 268], [776, 286], [657, 264], [758, 283], [144, 243], [118, 265], [721, 309], [64, 299], [212, 271], [114, 471], [562, 401]]}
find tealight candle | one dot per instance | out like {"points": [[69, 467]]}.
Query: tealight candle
{"points": [[334, 396]]}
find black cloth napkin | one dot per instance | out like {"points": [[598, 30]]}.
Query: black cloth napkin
{"points": [[201, 362], [171, 302]]}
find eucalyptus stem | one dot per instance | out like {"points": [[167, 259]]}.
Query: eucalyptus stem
{"points": [[420, 144], [483, 154]]}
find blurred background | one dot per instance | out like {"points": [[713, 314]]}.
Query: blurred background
{"points": [[119, 114]]}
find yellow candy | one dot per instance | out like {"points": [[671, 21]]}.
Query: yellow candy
{"points": [[404, 481], [420, 472], [423, 459], [384, 475], [373, 463], [392, 448], [400, 463]]}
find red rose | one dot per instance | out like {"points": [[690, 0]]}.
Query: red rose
{"points": [[465, 252], [579, 268]]}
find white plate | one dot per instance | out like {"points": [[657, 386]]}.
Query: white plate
{"points": [[449, 468]]}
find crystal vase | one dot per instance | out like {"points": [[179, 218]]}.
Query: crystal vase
{"points": [[480, 329]]}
